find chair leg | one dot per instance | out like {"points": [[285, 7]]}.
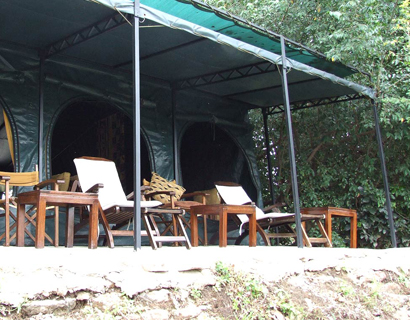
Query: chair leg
{"points": [[324, 234], [7, 231], [175, 228], [183, 231], [262, 232], [154, 228], [306, 240], [242, 236], [149, 231], [108, 234], [259, 229]]}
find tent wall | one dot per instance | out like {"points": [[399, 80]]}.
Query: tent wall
{"points": [[233, 119], [68, 80]]}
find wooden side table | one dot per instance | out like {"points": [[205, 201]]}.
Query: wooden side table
{"points": [[223, 210], [42, 198], [329, 212]]}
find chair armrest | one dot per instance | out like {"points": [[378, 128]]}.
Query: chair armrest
{"points": [[151, 194], [5, 178], [171, 194], [249, 203], [6, 187], [192, 194], [95, 188], [273, 206], [49, 182], [130, 196]]}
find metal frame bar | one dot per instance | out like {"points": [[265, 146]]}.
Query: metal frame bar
{"points": [[41, 78], [266, 133], [227, 75], [293, 173], [137, 131], [174, 135], [313, 103], [384, 174], [86, 34], [162, 52], [272, 35], [271, 87]]}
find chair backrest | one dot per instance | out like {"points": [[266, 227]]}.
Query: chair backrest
{"points": [[91, 171], [232, 193], [21, 179]]}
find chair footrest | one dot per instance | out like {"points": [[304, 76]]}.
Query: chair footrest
{"points": [[318, 240], [169, 239], [281, 235]]}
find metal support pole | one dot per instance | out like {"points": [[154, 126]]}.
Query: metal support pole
{"points": [[293, 174], [266, 132], [384, 173], [137, 131], [40, 115], [175, 136]]}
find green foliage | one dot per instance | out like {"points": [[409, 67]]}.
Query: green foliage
{"points": [[245, 292], [224, 275], [336, 149], [196, 293]]}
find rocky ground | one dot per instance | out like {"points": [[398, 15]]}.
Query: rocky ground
{"points": [[204, 283]]}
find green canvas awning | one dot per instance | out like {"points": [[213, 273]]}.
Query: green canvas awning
{"points": [[206, 21]]}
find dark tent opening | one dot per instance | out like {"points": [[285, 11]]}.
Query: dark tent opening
{"points": [[96, 129], [209, 154], [6, 163]]}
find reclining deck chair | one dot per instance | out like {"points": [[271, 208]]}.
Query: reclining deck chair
{"points": [[234, 194], [117, 209], [25, 179]]}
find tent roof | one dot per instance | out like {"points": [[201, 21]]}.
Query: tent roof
{"points": [[205, 57], [209, 17]]}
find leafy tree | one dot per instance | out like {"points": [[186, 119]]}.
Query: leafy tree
{"points": [[337, 156]]}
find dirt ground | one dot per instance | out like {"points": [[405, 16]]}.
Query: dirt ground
{"points": [[206, 283]]}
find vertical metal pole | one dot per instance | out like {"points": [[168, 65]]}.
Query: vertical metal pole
{"points": [[137, 131], [384, 173], [266, 132], [175, 136], [40, 115], [293, 174]]}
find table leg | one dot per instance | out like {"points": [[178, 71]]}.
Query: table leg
{"points": [[93, 232], [205, 230], [328, 225], [21, 208], [353, 231], [194, 229], [223, 227], [252, 229], [41, 223], [56, 226], [69, 227]]}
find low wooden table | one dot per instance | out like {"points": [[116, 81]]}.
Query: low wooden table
{"points": [[42, 198], [329, 212], [223, 210]]}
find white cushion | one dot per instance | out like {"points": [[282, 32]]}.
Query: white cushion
{"points": [[236, 195], [91, 172]]}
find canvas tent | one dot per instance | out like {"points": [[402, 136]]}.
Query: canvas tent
{"points": [[194, 64]]}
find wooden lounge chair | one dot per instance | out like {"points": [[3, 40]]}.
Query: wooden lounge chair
{"points": [[25, 179], [171, 200], [185, 205], [116, 209], [234, 194]]}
